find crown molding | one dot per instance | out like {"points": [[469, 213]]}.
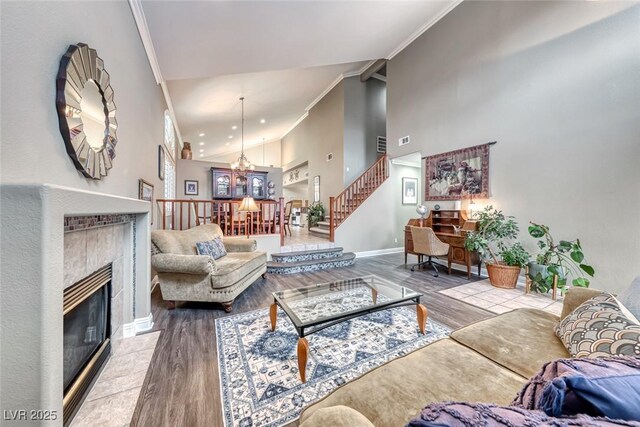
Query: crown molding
{"points": [[293, 126], [147, 43], [379, 77], [422, 29]]}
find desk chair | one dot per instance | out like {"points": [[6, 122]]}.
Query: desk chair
{"points": [[425, 242]]}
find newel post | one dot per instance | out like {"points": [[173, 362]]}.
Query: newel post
{"points": [[281, 216], [331, 219]]}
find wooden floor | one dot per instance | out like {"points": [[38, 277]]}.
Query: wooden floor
{"points": [[182, 386]]}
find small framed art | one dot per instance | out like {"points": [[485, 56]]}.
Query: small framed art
{"points": [[190, 187], [409, 191]]}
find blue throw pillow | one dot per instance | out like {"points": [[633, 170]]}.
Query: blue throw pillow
{"points": [[214, 248], [616, 396]]}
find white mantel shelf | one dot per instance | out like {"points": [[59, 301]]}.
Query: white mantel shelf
{"points": [[31, 285]]}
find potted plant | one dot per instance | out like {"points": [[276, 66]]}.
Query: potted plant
{"points": [[494, 240], [315, 214], [562, 260]]}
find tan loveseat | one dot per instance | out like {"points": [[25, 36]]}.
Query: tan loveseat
{"points": [[186, 276], [487, 361]]}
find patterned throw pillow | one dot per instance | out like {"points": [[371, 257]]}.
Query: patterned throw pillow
{"points": [[599, 328], [529, 396], [488, 415], [214, 248]]}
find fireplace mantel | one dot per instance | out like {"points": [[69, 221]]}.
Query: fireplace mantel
{"points": [[32, 284]]}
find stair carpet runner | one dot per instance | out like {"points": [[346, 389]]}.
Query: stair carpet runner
{"points": [[305, 261]]}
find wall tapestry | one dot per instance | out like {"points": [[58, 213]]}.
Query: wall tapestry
{"points": [[459, 174]]}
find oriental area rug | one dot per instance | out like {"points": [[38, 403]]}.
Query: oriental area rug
{"points": [[259, 380]]}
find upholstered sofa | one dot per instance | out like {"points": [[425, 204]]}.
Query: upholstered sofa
{"points": [[488, 361], [186, 276]]}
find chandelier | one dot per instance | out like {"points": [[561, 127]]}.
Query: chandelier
{"points": [[242, 165]]}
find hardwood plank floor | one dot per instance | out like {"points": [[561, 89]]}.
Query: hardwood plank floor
{"points": [[182, 384]]}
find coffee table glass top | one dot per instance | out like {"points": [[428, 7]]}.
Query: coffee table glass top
{"points": [[316, 304]]}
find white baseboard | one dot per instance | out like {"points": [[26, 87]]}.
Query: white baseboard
{"points": [[376, 252], [142, 324]]}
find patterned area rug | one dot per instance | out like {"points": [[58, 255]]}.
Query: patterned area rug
{"points": [[259, 377]]}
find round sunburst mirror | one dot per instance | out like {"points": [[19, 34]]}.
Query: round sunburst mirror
{"points": [[86, 112]]}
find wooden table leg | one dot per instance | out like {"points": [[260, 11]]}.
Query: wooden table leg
{"points": [[303, 352], [374, 295], [422, 317], [273, 313]]}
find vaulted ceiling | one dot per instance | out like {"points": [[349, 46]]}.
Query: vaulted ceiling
{"points": [[279, 55]]}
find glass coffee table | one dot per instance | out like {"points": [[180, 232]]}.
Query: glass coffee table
{"points": [[301, 306]]}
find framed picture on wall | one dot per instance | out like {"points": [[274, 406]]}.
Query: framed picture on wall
{"points": [[161, 162], [145, 192], [316, 188], [190, 187], [409, 191]]}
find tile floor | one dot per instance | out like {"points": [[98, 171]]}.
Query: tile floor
{"points": [[112, 400], [301, 240], [483, 295]]}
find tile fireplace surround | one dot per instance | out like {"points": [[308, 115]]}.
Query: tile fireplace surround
{"points": [[52, 236]]}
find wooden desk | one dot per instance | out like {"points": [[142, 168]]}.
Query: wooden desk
{"points": [[457, 252]]}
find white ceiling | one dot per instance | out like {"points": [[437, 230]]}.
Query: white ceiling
{"points": [[211, 106], [280, 55]]}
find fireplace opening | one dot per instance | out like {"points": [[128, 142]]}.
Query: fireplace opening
{"points": [[87, 333]]}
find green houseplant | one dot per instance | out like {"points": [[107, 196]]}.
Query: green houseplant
{"points": [[495, 242], [315, 214], [561, 259]]}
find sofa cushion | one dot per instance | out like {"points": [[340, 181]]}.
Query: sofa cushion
{"points": [[531, 392], [486, 415], [393, 393], [521, 340], [599, 328], [239, 244], [184, 242], [630, 297], [213, 248], [337, 416], [235, 266]]}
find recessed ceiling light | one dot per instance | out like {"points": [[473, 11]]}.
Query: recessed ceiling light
{"points": [[234, 127], [201, 143], [263, 121], [201, 155], [226, 143], [230, 136], [202, 150], [202, 134]]}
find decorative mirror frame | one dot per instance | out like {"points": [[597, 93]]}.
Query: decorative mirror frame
{"points": [[79, 65]]}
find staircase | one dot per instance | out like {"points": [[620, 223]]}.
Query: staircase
{"points": [[321, 230], [305, 261], [343, 205]]}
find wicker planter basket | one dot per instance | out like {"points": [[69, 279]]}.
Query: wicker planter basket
{"points": [[503, 276]]}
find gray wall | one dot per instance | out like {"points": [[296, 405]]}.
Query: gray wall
{"points": [[322, 132], [379, 222], [364, 120], [556, 84], [35, 35]]}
